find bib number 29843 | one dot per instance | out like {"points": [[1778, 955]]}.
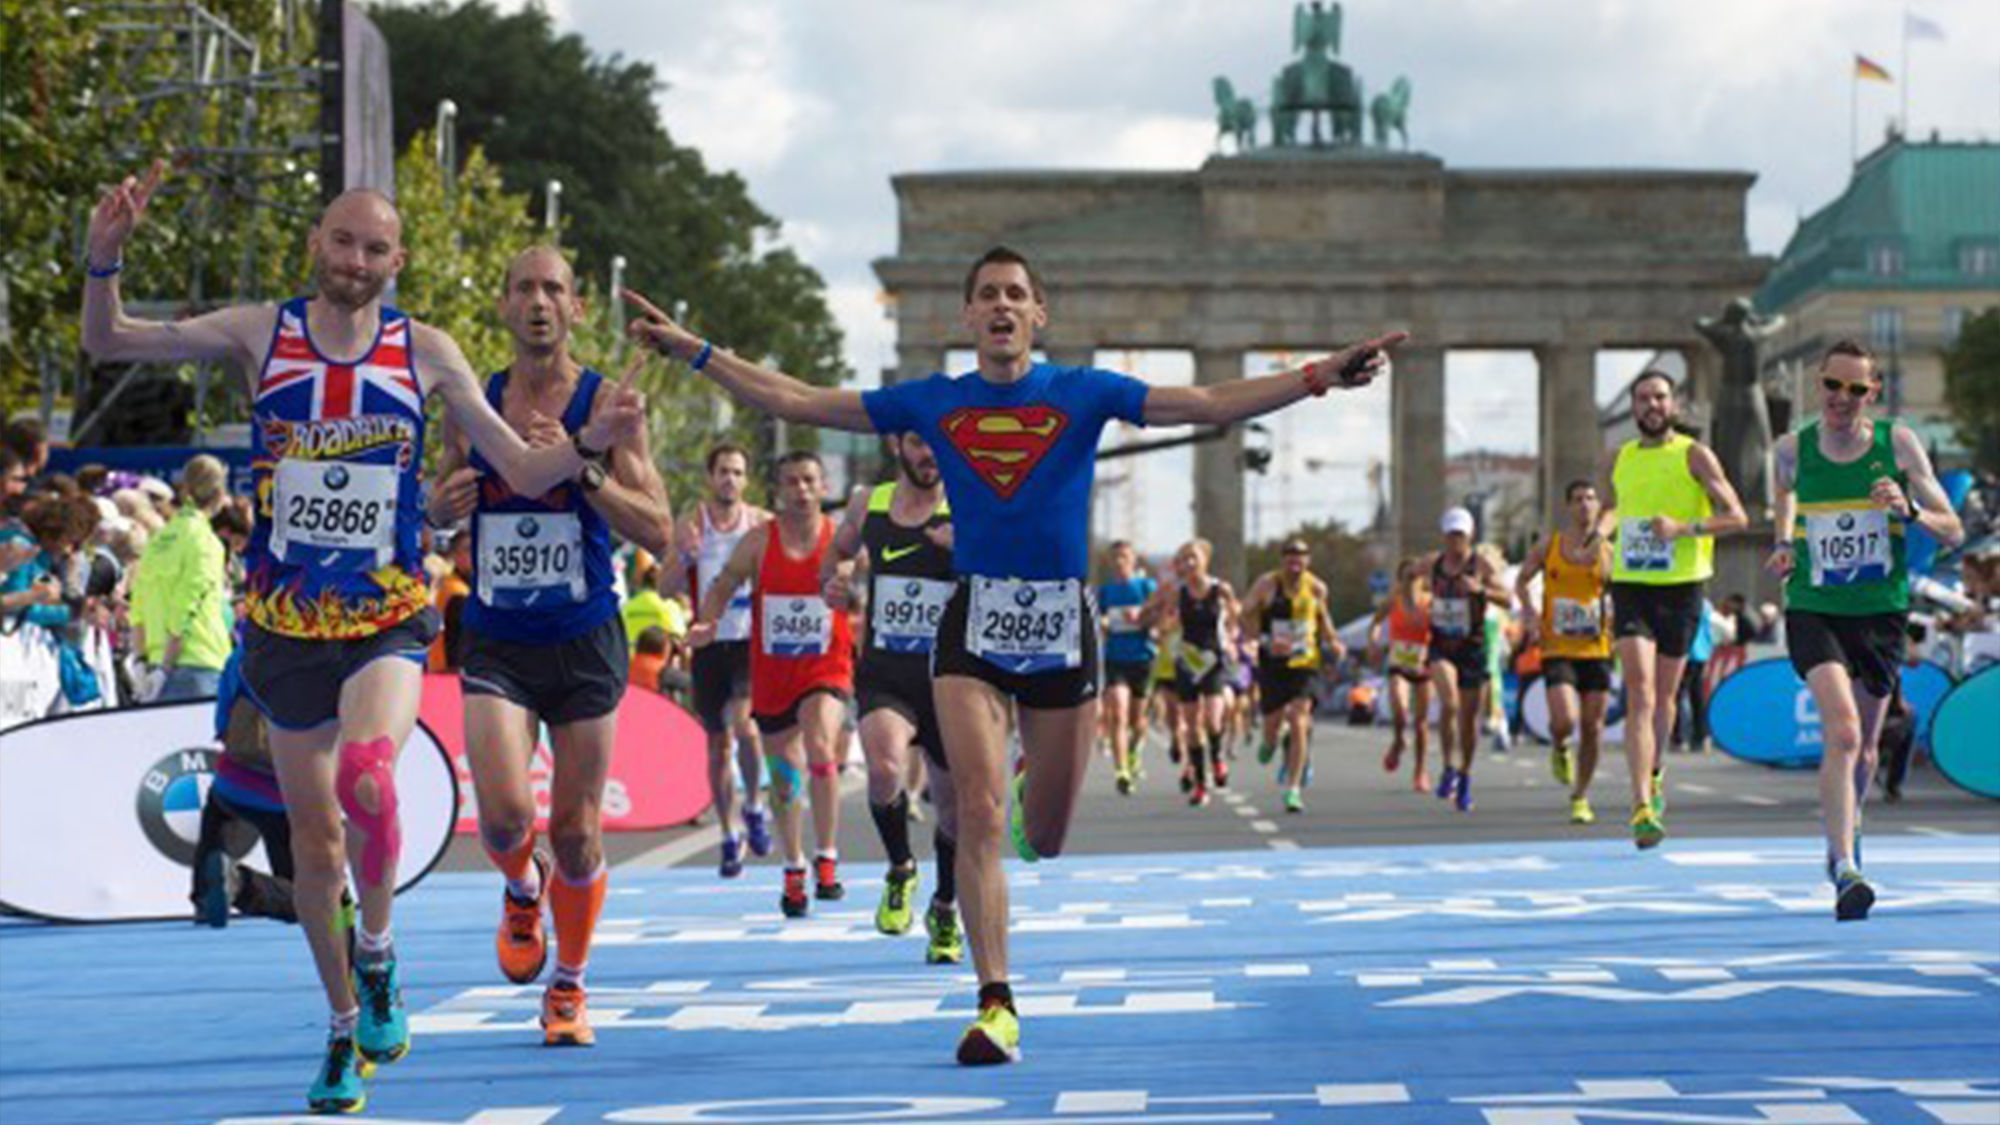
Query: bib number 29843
{"points": [[1026, 626]]}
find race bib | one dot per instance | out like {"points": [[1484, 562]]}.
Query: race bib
{"points": [[1642, 550], [797, 625], [530, 560], [1025, 626], [1198, 661], [1407, 656], [1125, 619], [905, 614], [335, 515], [1451, 616], [1848, 546], [1285, 637], [1573, 618]]}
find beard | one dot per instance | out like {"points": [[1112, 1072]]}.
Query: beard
{"points": [[1655, 428], [924, 476], [346, 291]]}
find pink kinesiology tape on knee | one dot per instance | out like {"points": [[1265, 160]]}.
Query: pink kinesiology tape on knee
{"points": [[376, 762], [823, 769]]}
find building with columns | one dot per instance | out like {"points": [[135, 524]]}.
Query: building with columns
{"points": [[1301, 251]]}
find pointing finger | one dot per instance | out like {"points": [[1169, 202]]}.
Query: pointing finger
{"points": [[651, 310]]}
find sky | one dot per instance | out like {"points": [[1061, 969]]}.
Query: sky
{"points": [[817, 104]]}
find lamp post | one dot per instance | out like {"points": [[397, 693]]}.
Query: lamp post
{"points": [[552, 210]]}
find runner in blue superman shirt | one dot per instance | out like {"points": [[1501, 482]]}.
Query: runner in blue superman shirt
{"points": [[1016, 443]]}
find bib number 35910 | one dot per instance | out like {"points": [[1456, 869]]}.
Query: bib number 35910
{"points": [[530, 559], [337, 515], [1026, 626]]}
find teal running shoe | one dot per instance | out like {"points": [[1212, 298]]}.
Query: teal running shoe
{"points": [[384, 1033], [338, 1088]]}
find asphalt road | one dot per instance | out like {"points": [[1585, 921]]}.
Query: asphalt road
{"points": [[1352, 802]]}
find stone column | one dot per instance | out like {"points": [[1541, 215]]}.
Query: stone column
{"points": [[1416, 448], [916, 361], [1571, 443], [1218, 475]]}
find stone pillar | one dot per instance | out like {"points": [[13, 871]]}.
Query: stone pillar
{"points": [[1416, 448], [915, 361], [1218, 475], [1571, 443]]}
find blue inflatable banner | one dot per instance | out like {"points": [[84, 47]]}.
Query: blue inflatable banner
{"points": [[1764, 714], [1963, 740]]}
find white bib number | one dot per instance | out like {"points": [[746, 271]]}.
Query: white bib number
{"points": [[1573, 618], [1641, 549], [530, 559], [1125, 619], [1848, 546], [1285, 637], [336, 515], [1407, 656], [1025, 626], [906, 612], [1451, 616], [1197, 661], [797, 625]]}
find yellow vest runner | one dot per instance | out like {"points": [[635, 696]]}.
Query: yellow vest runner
{"points": [[1655, 481]]}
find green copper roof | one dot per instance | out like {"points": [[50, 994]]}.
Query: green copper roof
{"points": [[1927, 201]]}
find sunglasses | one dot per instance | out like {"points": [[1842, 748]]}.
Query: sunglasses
{"points": [[1854, 390]]}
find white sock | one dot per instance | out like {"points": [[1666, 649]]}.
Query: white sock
{"points": [[341, 1025]]}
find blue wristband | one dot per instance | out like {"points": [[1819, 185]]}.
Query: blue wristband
{"points": [[701, 357], [108, 271]]}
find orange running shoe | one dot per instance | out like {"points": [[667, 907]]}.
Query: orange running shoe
{"points": [[521, 943], [826, 879], [792, 900], [566, 1017]]}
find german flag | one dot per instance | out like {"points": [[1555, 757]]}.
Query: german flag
{"points": [[1867, 68]]}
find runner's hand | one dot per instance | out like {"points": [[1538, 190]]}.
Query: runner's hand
{"points": [[544, 432], [658, 331], [1356, 366], [701, 634], [1781, 560], [619, 412], [1887, 494], [1667, 529], [838, 592], [455, 496], [118, 213], [940, 535], [688, 539]]}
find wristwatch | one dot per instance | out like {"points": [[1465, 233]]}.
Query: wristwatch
{"points": [[592, 477], [584, 451]]}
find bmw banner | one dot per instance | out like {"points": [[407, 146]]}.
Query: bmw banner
{"points": [[1763, 712], [100, 811]]}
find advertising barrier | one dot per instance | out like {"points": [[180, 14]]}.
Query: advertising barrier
{"points": [[1763, 713], [659, 765], [1965, 735], [1535, 712], [100, 811]]}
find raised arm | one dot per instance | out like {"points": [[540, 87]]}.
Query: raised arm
{"points": [[1222, 403], [1607, 518], [442, 369], [772, 392], [108, 335], [633, 498], [1927, 505]]}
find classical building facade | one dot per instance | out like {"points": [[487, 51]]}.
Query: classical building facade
{"points": [[1303, 251], [1898, 262]]}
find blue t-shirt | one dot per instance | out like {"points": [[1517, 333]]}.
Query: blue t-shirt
{"points": [[1017, 459], [1127, 646]]}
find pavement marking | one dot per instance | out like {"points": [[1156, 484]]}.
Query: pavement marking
{"points": [[1758, 799], [1267, 827], [1281, 844], [1927, 830], [1698, 790]]}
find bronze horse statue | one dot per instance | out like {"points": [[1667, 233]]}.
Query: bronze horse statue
{"points": [[1234, 117], [1316, 83], [1390, 112]]}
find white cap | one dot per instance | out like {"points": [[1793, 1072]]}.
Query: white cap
{"points": [[1456, 520], [156, 488], [110, 520]]}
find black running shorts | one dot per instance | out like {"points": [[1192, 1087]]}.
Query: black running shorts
{"points": [[901, 683], [720, 672], [1584, 675], [1137, 675], [1871, 646], [1279, 684], [1040, 691], [565, 682], [296, 682], [1668, 615]]}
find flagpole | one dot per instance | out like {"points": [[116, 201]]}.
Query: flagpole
{"points": [[1903, 87], [1854, 114]]}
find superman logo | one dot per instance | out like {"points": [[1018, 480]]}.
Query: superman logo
{"points": [[1004, 444]]}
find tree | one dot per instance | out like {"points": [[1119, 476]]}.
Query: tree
{"points": [[544, 107], [1972, 387], [1339, 556]]}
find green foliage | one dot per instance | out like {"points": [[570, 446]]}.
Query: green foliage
{"points": [[1972, 386], [545, 107], [1339, 556]]}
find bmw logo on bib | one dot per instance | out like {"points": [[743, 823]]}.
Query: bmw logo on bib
{"points": [[336, 477], [528, 528], [1024, 597], [798, 605], [912, 589], [1846, 521]]}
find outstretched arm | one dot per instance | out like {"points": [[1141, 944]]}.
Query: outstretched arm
{"points": [[1222, 403], [772, 392]]}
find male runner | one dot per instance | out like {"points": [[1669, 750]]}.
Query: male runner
{"points": [[1848, 488], [1666, 499], [544, 639], [1131, 603], [336, 581], [801, 669], [1016, 442], [1286, 611], [1402, 631], [1461, 580], [1575, 634], [720, 671], [1207, 611], [900, 533]]}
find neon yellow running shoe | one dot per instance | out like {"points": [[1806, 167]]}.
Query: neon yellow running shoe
{"points": [[1647, 831], [893, 914], [1580, 812], [946, 946], [1657, 797], [1559, 764], [995, 1037], [1017, 821]]}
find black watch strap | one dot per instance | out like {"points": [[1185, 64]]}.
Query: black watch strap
{"points": [[584, 451]]}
